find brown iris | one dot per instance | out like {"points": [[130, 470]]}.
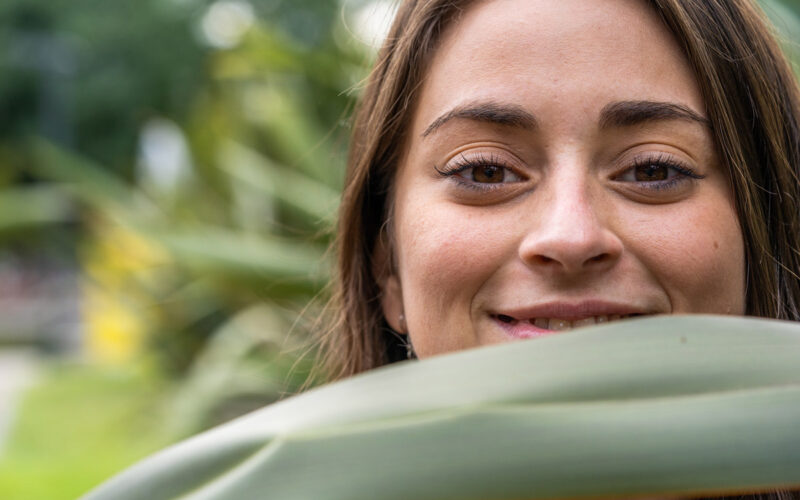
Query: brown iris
{"points": [[489, 174], [651, 173]]}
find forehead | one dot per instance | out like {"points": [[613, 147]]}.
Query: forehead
{"points": [[542, 54]]}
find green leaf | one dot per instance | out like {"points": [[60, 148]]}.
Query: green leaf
{"points": [[91, 184], [262, 258], [677, 406], [34, 206], [293, 188]]}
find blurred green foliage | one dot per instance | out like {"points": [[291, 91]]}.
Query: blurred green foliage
{"points": [[192, 184], [251, 134], [87, 73]]}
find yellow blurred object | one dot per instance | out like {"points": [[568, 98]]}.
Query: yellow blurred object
{"points": [[114, 331], [118, 263]]}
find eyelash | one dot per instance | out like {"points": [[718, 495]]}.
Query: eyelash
{"points": [[666, 161], [463, 164]]}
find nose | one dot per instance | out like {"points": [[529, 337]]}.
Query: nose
{"points": [[570, 234]]}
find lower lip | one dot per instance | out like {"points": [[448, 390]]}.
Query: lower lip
{"points": [[524, 330]]}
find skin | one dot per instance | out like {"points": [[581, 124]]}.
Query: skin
{"points": [[579, 214]]}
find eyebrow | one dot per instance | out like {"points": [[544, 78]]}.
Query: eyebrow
{"points": [[630, 113], [616, 114], [488, 111]]}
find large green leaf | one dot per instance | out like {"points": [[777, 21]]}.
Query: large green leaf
{"points": [[662, 406]]}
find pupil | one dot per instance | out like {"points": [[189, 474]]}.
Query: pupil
{"points": [[491, 174], [652, 173]]}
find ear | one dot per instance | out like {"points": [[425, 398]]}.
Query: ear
{"points": [[389, 283]]}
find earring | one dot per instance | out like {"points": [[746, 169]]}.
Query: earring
{"points": [[410, 354]]}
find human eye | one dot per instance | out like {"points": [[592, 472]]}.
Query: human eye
{"points": [[480, 171], [656, 173]]}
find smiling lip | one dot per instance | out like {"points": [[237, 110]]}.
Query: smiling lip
{"points": [[554, 317]]}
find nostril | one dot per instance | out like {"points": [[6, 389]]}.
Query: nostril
{"points": [[599, 258], [505, 319]]}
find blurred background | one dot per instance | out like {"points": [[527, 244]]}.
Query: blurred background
{"points": [[169, 177]]}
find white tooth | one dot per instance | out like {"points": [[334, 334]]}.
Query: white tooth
{"points": [[541, 323], [584, 322], [602, 319], [559, 324]]}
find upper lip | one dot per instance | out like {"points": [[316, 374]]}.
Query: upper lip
{"points": [[572, 311]]}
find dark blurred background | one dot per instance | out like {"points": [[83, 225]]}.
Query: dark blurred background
{"points": [[169, 177]]}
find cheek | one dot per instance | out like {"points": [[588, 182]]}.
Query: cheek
{"points": [[697, 255], [445, 254]]}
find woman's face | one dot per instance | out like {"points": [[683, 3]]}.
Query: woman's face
{"points": [[559, 172]]}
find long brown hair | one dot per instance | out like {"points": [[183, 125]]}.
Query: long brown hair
{"points": [[751, 97]]}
